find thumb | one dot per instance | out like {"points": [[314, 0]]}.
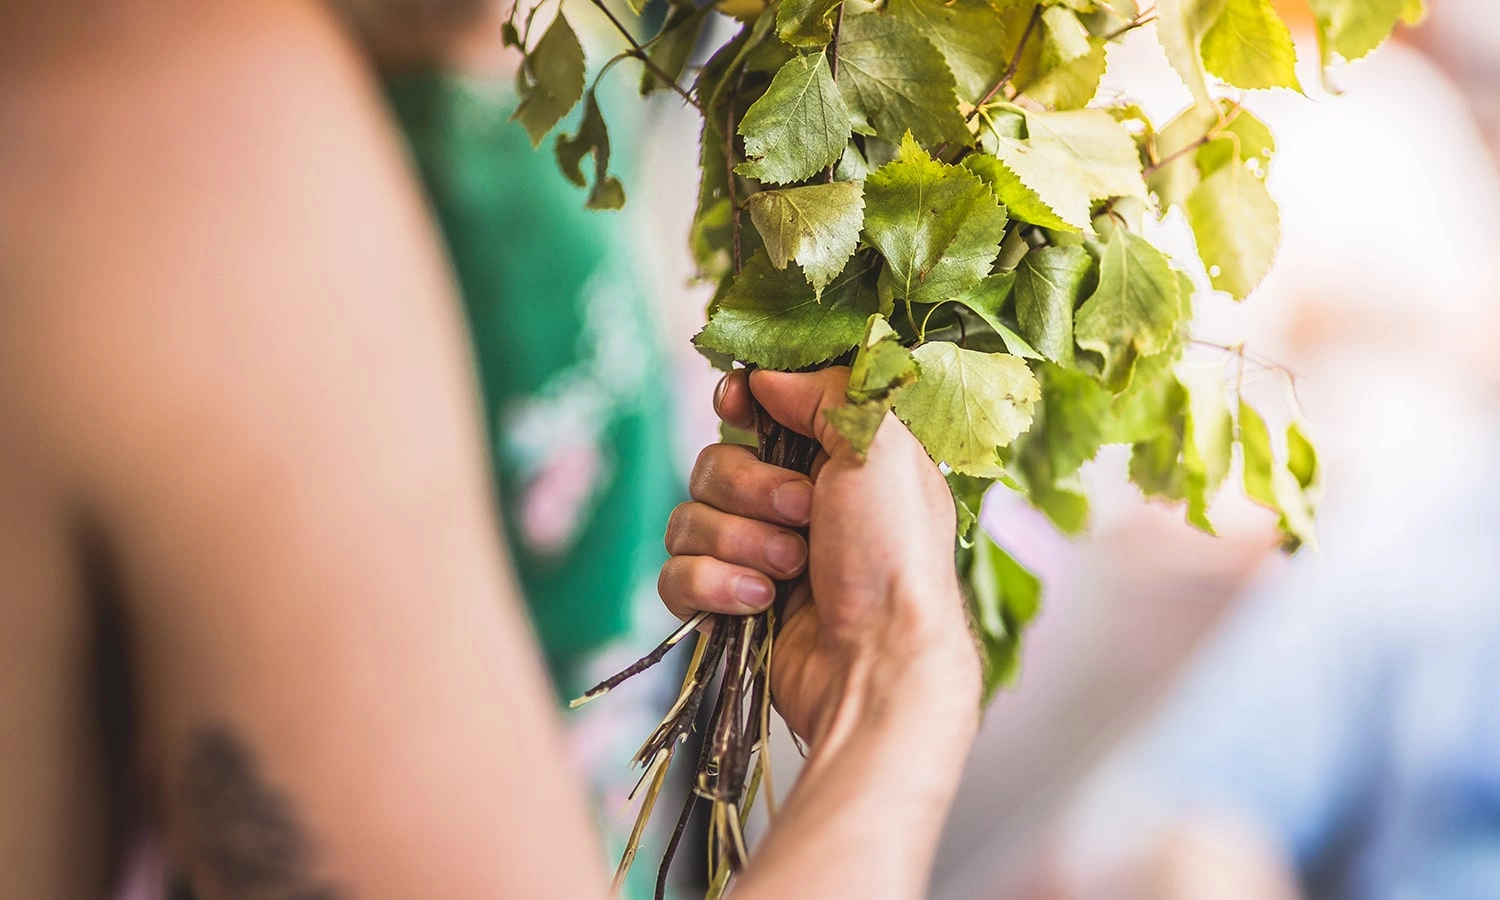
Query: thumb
{"points": [[799, 400]]}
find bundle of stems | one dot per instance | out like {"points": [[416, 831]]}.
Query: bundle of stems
{"points": [[734, 763]]}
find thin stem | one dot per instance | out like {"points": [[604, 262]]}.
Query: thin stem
{"points": [[1140, 20], [640, 53], [1213, 133], [642, 664], [833, 70], [1015, 61], [729, 177]]}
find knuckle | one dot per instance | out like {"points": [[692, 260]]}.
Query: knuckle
{"points": [[679, 526], [705, 471]]}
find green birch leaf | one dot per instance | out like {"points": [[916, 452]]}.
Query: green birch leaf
{"points": [[1297, 489], [1238, 229], [1177, 173], [1020, 202], [1004, 598], [967, 404], [1352, 28], [1068, 430], [1049, 284], [817, 225], [670, 51], [798, 127], [1065, 504], [1156, 463], [1258, 456], [882, 368], [1272, 485], [938, 226], [770, 317], [1071, 84], [551, 80], [1154, 398], [1135, 309], [985, 300], [592, 137], [1250, 47], [894, 80], [1208, 441], [968, 500], [805, 23], [1110, 17], [1180, 26], [1245, 139], [1302, 456], [1071, 62], [970, 34]]}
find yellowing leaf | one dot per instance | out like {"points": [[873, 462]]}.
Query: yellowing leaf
{"points": [[1238, 228], [967, 404], [1180, 26], [1092, 141], [1208, 441], [816, 225], [1250, 47], [1070, 158], [1273, 485], [798, 126], [1352, 28]]}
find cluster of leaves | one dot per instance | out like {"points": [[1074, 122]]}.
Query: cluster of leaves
{"points": [[934, 195]]}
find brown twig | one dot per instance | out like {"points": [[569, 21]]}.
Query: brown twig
{"points": [[1015, 63], [639, 52], [1213, 133]]}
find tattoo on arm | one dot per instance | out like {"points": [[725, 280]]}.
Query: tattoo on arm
{"points": [[243, 837]]}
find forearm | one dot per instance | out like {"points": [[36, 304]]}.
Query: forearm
{"points": [[864, 818]]}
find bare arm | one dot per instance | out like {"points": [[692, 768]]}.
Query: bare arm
{"points": [[248, 351]]}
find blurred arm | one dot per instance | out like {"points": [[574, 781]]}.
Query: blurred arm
{"points": [[246, 340]]}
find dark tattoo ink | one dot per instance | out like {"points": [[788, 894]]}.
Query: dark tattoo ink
{"points": [[243, 834]]}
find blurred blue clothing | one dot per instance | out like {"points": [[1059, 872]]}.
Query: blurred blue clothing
{"points": [[1351, 707]]}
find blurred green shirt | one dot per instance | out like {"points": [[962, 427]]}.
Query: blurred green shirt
{"points": [[574, 385]]}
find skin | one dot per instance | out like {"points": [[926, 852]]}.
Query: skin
{"points": [[251, 586]]}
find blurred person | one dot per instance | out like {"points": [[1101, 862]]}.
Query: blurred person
{"points": [[252, 590], [1391, 354], [575, 392], [1339, 735]]}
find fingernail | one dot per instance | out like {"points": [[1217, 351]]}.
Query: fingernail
{"points": [[793, 501], [719, 390], [785, 552], [752, 591]]}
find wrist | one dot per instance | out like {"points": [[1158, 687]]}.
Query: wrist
{"points": [[924, 682]]}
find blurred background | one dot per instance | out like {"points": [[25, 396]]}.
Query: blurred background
{"points": [[1201, 717]]}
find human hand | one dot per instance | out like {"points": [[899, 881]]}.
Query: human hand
{"points": [[879, 616]]}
